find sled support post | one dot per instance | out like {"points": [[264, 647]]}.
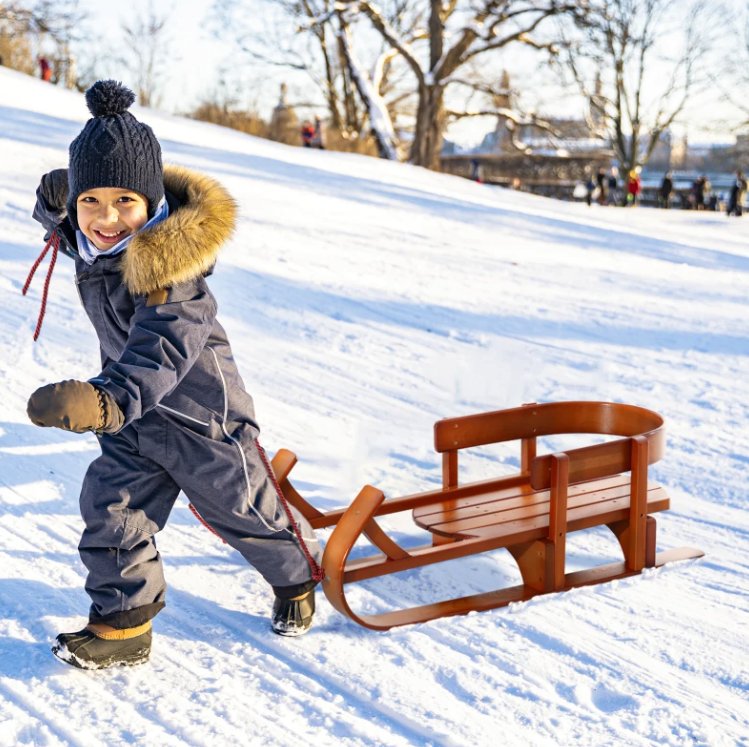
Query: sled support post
{"points": [[527, 449], [527, 455], [449, 480], [650, 553], [560, 470], [638, 505], [450, 469]]}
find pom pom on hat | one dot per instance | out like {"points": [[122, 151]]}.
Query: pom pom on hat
{"points": [[108, 98]]}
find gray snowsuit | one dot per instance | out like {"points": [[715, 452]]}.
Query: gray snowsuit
{"points": [[189, 423]]}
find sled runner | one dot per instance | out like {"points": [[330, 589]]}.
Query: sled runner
{"points": [[529, 514]]}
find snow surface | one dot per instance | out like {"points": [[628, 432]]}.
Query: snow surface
{"points": [[365, 300]]}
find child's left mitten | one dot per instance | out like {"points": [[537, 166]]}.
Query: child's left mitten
{"points": [[74, 406]]}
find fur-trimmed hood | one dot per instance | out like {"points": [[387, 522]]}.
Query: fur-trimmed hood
{"points": [[186, 244]]}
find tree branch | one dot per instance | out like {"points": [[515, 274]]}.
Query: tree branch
{"points": [[386, 31]]}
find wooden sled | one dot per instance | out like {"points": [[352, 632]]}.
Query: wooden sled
{"points": [[529, 514]]}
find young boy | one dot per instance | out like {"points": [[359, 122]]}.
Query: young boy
{"points": [[169, 406]]}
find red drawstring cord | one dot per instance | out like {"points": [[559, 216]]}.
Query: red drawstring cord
{"points": [[205, 523], [54, 241], [318, 573]]}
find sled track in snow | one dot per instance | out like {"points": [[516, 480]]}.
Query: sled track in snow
{"points": [[368, 706]]}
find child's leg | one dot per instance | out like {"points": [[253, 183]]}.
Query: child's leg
{"points": [[233, 493], [126, 498]]}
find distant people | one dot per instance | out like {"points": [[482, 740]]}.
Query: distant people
{"points": [[317, 137], [475, 170], [45, 71], [601, 182], [308, 133], [634, 188], [590, 188], [736, 196], [707, 193], [613, 186], [666, 191], [698, 192]]}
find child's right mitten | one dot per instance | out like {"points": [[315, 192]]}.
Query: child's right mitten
{"points": [[76, 406]]}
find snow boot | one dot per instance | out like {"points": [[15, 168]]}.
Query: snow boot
{"points": [[293, 617], [100, 646]]}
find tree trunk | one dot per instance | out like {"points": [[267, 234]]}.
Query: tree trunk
{"points": [[430, 122], [379, 117], [335, 114], [349, 104]]}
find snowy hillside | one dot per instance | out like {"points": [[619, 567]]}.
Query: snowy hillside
{"points": [[365, 300]]}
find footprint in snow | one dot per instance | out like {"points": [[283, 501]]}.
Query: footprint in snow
{"points": [[603, 699]]}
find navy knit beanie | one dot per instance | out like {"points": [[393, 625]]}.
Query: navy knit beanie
{"points": [[114, 150]]}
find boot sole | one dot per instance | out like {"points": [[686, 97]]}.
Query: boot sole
{"points": [[132, 660], [292, 632]]}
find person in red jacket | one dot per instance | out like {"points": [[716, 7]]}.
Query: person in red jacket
{"points": [[44, 69], [308, 133], [634, 187]]}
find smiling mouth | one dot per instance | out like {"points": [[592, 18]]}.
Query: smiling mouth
{"points": [[109, 237]]}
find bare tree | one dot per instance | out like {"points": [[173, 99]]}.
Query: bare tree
{"points": [[454, 34], [27, 27], [730, 77], [369, 88], [313, 37], [293, 40], [41, 17], [146, 52], [16, 38], [640, 89]]}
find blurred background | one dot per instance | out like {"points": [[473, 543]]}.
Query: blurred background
{"points": [[567, 99]]}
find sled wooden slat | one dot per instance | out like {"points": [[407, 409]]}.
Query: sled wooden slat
{"points": [[515, 497], [509, 502], [603, 501], [530, 513], [429, 497]]}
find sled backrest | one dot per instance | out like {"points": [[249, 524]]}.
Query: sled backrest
{"points": [[530, 421]]}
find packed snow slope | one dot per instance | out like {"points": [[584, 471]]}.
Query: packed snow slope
{"points": [[365, 300]]}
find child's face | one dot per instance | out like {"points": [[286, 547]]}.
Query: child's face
{"points": [[108, 214]]}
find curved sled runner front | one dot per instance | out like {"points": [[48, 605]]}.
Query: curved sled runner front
{"points": [[529, 514]]}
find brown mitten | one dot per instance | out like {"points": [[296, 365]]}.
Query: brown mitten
{"points": [[74, 406]]}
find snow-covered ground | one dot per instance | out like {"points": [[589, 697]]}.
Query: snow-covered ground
{"points": [[364, 301]]}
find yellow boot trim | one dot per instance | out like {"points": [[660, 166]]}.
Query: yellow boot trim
{"points": [[107, 633]]}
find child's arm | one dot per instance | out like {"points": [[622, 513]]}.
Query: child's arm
{"points": [[50, 209], [164, 342]]}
